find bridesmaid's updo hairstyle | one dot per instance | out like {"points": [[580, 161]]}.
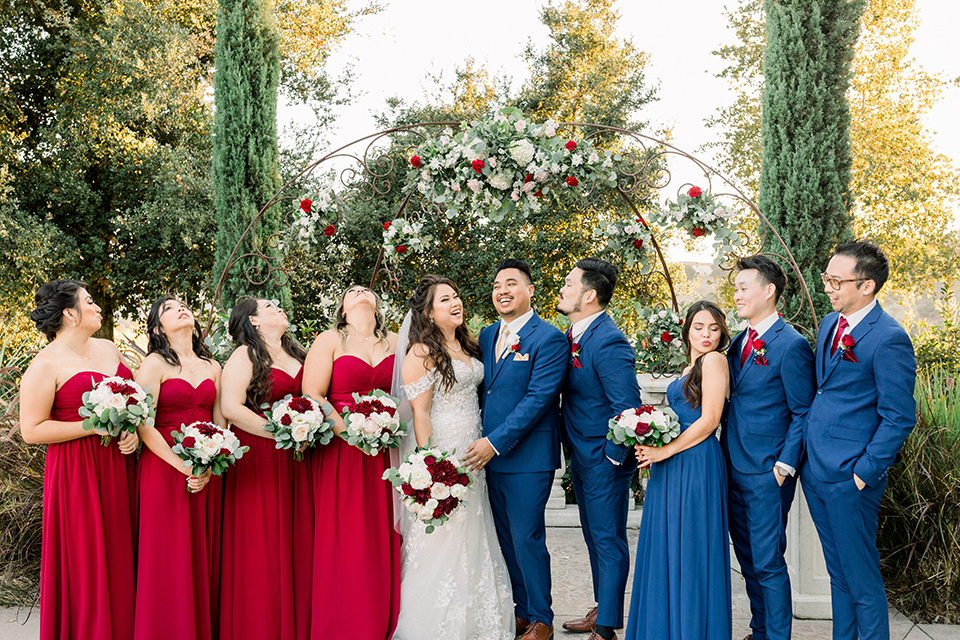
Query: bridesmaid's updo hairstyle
{"points": [[340, 318], [423, 329], [245, 334], [157, 341], [51, 300], [692, 385]]}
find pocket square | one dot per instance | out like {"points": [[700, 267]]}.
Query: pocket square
{"points": [[521, 357]]}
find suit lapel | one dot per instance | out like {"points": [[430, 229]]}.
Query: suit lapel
{"points": [[495, 365], [589, 332], [526, 331], [862, 329], [826, 332]]}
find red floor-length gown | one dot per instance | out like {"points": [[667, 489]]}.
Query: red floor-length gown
{"points": [[178, 568], [87, 553], [356, 569], [260, 543]]}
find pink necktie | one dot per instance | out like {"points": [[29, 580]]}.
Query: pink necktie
{"points": [[748, 348], [843, 324]]}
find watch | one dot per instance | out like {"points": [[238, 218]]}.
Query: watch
{"points": [[781, 470]]}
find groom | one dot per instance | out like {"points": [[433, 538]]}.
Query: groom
{"points": [[602, 382], [524, 364]]}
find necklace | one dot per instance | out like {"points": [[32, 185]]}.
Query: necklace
{"points": [[88, 356], [457, 350]]}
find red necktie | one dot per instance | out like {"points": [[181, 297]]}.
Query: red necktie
{"points": [[843, 324], [748, 348]]}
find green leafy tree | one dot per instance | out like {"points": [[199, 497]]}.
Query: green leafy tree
{"points": [[905, 191], [805, 169]]}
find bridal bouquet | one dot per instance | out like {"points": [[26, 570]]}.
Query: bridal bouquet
{"points": [[116, 405], [298, 422], [431, 484], [204, 445], [372, 422], [646, 425]]}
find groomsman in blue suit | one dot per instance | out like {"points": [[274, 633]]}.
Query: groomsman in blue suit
{"points": [[601, 383], [861, 415], [772, 385], [524, 363]]}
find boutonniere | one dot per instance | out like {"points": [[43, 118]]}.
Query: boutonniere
{"points": [[760, 353], [513, 343], [575, 352], [846, 348]]}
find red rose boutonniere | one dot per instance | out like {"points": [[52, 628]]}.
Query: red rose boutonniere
{"points": [[846, 348], [575, 352], [760, 353]]}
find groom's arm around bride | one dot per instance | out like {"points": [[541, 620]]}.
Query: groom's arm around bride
{"points": [[525, 361]]}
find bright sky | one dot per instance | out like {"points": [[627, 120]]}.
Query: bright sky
{"points": [[393, 52]]}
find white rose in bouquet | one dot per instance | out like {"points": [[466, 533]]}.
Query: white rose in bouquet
{"points": [[440, 491], [420, 479], [300, 432]]}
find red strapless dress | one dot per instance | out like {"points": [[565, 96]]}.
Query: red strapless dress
{"points": [[257, 582], [87, 577], [178, 566], [356, 569]]}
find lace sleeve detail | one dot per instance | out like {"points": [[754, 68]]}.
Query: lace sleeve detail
{"points": [[418, 388]]}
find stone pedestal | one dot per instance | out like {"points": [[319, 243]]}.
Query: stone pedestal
{"points": [[808, 571], [557, 499]]}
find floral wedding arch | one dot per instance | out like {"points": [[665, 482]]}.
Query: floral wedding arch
{"points": [[505, 169]]}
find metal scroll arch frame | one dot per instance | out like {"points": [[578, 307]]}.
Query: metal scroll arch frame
{"points": [[642, 167]]}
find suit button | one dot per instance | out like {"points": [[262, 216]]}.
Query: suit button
{"points": [[819, 392], [489, 392]]}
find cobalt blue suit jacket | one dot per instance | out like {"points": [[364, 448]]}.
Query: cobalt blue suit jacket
{"points": [[604, 386], [863, 411], [520, 396], [768, 403]]}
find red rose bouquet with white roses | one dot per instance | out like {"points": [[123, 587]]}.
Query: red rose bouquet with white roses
{"points": [[372, 422], [298, 422], [431, 483], [116, 405], [646, 425], [207, 446]]}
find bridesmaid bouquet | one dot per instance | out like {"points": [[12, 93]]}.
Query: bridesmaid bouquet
{"points": [[116, 405], [204, 445], [431, 484], [298, 422], [372, 422], [647, 425]]}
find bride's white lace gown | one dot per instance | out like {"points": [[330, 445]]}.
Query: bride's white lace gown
{"points": [[454, 582]]}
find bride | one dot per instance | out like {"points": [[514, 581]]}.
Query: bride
{"points": [[454, 582]]}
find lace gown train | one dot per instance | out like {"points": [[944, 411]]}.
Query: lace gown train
{"points": [[454, 582]]}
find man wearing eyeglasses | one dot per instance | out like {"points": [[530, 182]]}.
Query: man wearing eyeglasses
{"points": [[861, 415]]}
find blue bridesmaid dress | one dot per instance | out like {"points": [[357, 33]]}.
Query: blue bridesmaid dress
{"points": [[681, 585]]}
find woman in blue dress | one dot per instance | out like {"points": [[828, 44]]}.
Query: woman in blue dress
{"points": [[681, 586]]}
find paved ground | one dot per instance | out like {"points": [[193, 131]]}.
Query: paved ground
{"points": [[572, 598]]}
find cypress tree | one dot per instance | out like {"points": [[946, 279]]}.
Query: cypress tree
{"points": [[805, 133], [245, 153]]}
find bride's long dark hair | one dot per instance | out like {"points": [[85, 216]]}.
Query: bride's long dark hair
{"points": [[692, 386], [425, 331]]}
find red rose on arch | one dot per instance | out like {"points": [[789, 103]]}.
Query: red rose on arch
{"points": [[528, 178], [477, 165], [306, 204], [637, 244], [386, 225], [401, 248], [572, 181], [415, 161], [666, 337], [538, 192], [330, 230], [571, 145], [694, 192], [698, 232]]}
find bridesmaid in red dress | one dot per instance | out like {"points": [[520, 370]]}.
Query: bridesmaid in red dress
{"points": [[87, 553], [178, 566], [261, 528], [356, 565]]}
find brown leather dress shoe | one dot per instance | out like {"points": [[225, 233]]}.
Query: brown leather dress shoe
{"points": [[538, 631], [596, 636], [584, 624], [522, 624]]}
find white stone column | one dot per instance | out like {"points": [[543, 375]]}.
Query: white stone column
{"points": [[809, 580]]}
